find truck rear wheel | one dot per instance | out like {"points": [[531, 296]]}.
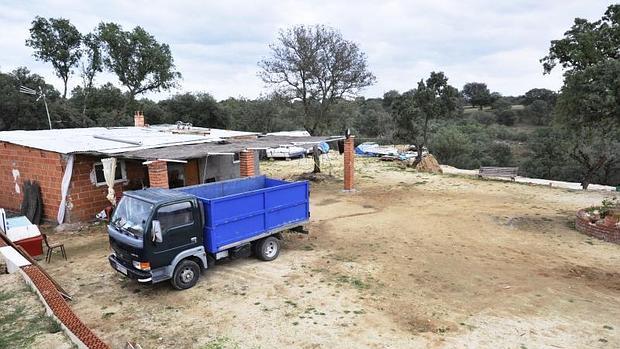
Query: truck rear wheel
{"points": [[185, 275], [268, 249]]}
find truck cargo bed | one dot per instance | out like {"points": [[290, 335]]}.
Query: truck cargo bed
{"points": [[241, 210]]}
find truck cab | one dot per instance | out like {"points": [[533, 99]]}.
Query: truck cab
{"points": [[151, 230], [161, 234]]}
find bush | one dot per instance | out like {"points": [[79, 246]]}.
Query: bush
{"points": [[451, 146], [502, 104], [483, 117], [504, 133], [501, 154], [506, 117]]}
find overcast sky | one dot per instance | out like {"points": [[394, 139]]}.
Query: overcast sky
{"points": [[217, 44]]}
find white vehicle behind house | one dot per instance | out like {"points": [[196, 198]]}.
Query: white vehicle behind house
{"points": [[286, 152]]}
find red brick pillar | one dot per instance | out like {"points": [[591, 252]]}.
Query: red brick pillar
{"points": [[246, 163], [158, 174], [138, 119], [349, 163]]}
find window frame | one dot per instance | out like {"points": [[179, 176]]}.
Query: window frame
{"points": [[123, 178], [191, 208]]}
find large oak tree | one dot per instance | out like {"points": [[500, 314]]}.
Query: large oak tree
{"points": [[57, 41], [588, 107], [317, 66], [415, 110], [140, 62]]}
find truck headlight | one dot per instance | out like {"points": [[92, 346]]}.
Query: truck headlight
{"points": [[141, 265]]}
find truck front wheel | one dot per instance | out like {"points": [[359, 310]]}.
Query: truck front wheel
{"points": [[268, 248], [185, 275]]}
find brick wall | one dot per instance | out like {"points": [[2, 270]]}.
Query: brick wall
{"points": [[85, 198], [603, 232], [18, 164]]}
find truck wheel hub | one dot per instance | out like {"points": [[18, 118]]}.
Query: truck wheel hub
{"points": [[270, 249], [187, 275]]}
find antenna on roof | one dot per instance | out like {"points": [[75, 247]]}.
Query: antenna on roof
{"points": [[40, 94]]}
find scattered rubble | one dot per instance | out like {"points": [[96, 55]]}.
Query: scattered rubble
{"points": [[314, 177]]}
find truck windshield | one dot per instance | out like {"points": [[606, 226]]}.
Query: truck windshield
{"points": [[131, 216]]}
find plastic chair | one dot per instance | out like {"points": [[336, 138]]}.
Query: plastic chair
{"points": [[51, 247]]}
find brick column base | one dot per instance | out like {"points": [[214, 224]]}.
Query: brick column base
{"points": [[349, 163], [246, 163], [158, 174]]}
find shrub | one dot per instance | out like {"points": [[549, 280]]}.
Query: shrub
{"points": [[451, 146], [483, 117], [501, 154], [506, 117]]}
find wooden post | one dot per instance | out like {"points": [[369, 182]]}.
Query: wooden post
{"points": [[317, 159]]}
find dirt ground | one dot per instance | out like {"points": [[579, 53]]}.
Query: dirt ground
{"points": [[410, 260]]}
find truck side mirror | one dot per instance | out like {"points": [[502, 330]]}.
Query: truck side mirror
{"points": [[156, 231]]}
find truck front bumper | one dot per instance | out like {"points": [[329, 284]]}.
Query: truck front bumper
{"points": [[132, 273]]}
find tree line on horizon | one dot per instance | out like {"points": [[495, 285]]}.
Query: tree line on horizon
{"points": [[316, 76]]}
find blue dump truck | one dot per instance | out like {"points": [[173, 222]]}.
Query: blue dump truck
{"points": [[164, 234]]}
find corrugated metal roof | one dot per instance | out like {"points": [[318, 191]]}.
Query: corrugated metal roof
{"points": [[79, 140], [155, 141]]}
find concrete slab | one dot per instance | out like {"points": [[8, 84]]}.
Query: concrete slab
{"points": [[14, 260]]}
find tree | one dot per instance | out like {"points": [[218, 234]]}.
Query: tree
{"points": [[451, 146], [20, 111], [373, 120], [500, 153], [317, 66], [547, 153], [477, 94], [506, 117], [539, 112], [104, 105], [586, 43], [589, 113], [540, 94], [140, 62], [57, 41], [90, 66], [416, 109], [200, 109], [259, 115], [588, 108], [502, 104], [484, 117]]}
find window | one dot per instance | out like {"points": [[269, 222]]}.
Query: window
{"points": [[132, 214], [119, 176], [175, 215]]}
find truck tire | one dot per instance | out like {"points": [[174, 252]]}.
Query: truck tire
{"points": [[268, 249], [185, 275]]}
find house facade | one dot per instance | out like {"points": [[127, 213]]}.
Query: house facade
{"points": [[67, 163]]}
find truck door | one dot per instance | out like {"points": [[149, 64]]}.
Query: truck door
{"points": [[180, 231]]}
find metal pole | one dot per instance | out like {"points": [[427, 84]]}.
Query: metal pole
{"points": [[49, 120]]}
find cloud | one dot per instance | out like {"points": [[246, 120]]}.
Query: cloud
{"points": [[216, 45]]}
